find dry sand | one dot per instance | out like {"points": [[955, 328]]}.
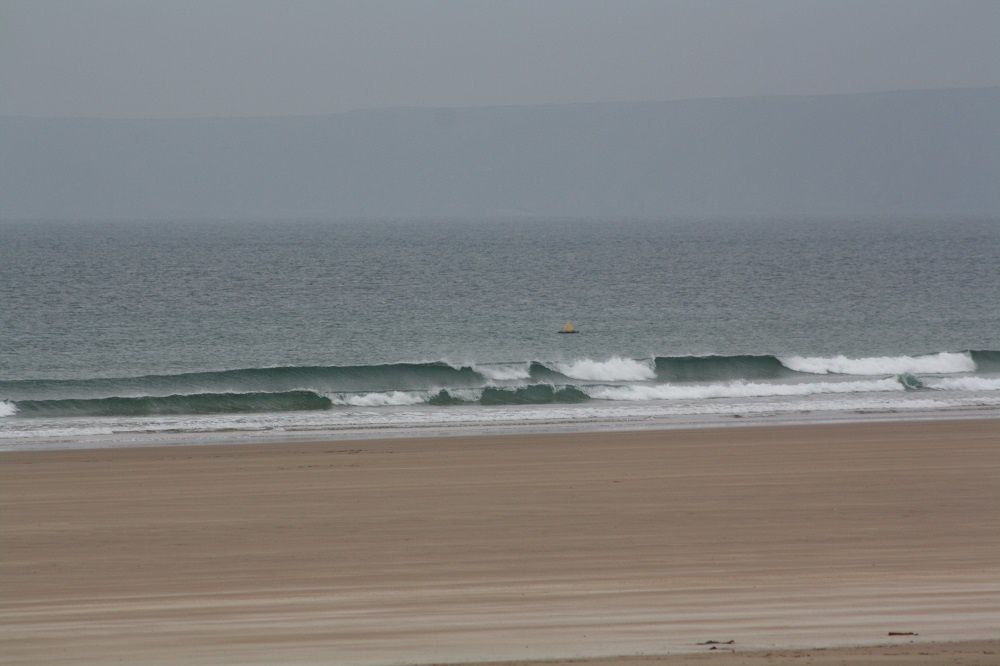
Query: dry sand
{"points": [[510, 548]]}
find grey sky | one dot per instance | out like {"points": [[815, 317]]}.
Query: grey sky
{"points": [[163, 58]]}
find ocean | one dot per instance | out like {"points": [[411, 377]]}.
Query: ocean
{"points": [[125, 333]]}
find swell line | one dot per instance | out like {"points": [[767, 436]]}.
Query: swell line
{"points": [[435, 376]]}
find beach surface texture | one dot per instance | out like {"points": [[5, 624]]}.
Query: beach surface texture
{"points": [[776, 543]]}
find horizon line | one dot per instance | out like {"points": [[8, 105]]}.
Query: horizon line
{"points": [[483, 107]]}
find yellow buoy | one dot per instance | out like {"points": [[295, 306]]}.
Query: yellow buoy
{"points": [[568, 328]]}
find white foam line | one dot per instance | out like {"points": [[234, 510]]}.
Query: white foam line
{"points": [[615, 369], [941, 363], [965, 383], [739, 389], [378, 399]]}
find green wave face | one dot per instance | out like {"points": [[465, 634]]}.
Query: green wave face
{"points": [[284, 389], [444, 399], [542, 373], [201, 403], [713, 368], [538, 394], [392, 377], [911, 382], [986, 360]]}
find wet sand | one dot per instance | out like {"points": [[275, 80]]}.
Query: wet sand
{"points": [[508, 548], [969, 653]]}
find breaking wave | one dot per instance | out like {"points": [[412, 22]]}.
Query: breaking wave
{"points": [[910, 382], [534, 394], [615, 369], [941, 363], [433, 375], [712, 368], [504, 372], [313, 388], [375, 399]]}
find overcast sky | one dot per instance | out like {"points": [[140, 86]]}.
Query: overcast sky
{"points": [[167, 58]]}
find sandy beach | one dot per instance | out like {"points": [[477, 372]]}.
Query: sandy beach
{"points": [[512, 548]]}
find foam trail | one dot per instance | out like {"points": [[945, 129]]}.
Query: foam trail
{"points": [[377, 399], [7, 408], [736, 390], [965, 383], [941, 363], [615, 369]]}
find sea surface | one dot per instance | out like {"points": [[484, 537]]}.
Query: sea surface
{"points": [[124, 333]]}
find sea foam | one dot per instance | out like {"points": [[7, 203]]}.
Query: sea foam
{"points": [[615, 369], [739, 389], [379, 399], [940, 363], [965, 383], [7, 408]]}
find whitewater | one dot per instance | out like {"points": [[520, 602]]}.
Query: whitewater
{"points": [[618, 391]]}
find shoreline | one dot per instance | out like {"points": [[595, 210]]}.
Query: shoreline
{"points": [[171, 438], [956, 653], [515, 548]]}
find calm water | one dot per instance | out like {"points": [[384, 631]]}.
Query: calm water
{"points": [[117, 300]]}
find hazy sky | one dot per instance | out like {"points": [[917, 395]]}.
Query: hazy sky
{"points": [[165, 58]]}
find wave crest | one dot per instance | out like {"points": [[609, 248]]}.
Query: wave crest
{"points": [[615, 369], [378, 399], [712, 368], [940, 363], [504, 372]]}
